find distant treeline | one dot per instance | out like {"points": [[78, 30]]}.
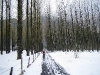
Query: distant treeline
{"points": [[18, 34], [76, 27]]}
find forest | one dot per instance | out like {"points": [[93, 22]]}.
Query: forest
{"points": [[71, 26]]}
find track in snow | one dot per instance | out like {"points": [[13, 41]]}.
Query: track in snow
{"points": [[50, 67]]}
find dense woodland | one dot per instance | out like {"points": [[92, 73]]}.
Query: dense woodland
{"points": [[74, 26]]}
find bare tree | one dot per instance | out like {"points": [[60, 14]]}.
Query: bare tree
{"points": [[8, 3], [27, 31], [19, 30], [31, 26], [2, 28]]}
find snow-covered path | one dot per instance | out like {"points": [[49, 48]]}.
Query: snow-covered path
{"points": [[50, 67], [45, 66]]}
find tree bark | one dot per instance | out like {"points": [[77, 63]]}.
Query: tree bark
{"points": [[19, 30], [2, 28], [27, 32]]}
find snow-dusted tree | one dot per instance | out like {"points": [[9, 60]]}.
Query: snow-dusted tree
{"points": [[49, 37]]}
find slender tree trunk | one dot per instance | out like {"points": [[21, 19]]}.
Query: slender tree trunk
{"points": [[27, 32], [19, 30], [31, 29], [2, 28], [8, 25], [12, 40]]}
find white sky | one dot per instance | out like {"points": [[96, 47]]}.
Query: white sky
{"points": [[53, 5]]}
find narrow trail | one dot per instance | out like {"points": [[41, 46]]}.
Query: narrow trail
{"points": [[50, 67]]}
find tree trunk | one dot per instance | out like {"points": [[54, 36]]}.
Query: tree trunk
{"points": [[2, 28], [31, 29], [27, 32], [19, 30], [8, 25]]}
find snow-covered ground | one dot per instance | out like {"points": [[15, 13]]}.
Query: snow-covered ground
{"points": [[87, 63], [35, 68], [10, 60]]}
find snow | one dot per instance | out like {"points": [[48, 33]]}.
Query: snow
{"points": [[35, 68], [10, 60], [86, 63]]}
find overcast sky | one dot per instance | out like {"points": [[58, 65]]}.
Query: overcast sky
{"points": [[53, 5]]}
